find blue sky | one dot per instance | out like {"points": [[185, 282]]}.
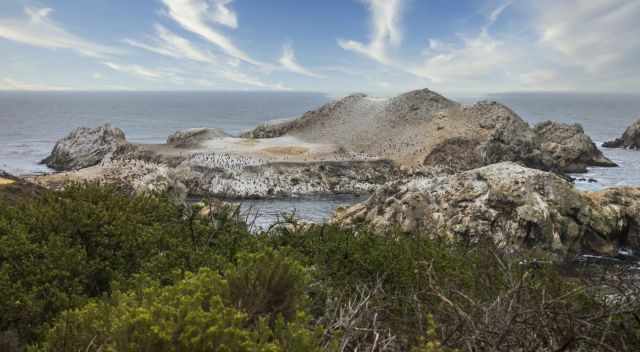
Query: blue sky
{"points": [[334, 46]]}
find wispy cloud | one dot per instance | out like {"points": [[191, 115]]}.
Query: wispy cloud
{"points": [[37, 29], [170, 44], [242, 78], [136, 70], [386, 32], [223, 14], [497, 12], [199, 16], [11, 84], [184, 75], [478, 57], [538, 78], [289, 63], [597, 35]]}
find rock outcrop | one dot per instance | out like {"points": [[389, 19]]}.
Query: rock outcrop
{"points": [[193, 138], [629, 140], [567, 148], [231, 176], [425, 128], [482, 134], [516, 207], [85, 147]]}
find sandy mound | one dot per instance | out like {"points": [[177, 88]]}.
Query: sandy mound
{"points": [[4, 181]]}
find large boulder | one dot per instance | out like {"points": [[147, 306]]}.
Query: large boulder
{"points": [[85, 147], [482, 134], [514, 206], [194, 137], [629, 140], [567, 148]]}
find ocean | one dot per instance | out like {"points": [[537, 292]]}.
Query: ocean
{"points": [[32, 122]]}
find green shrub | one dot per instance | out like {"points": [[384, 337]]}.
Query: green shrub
{"points": [[267, 284], [479, 298], [60, 249], [195, 314]]}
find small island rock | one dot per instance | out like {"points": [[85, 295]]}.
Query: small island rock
{"points": [[629, 140], [567, 148], [85, 147]]}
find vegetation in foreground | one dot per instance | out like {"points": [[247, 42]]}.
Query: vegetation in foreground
{"points": [[93, 269]]}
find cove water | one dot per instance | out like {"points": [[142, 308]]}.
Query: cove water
{"points": [[31, 123]]}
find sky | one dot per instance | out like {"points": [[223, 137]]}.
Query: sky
{"points": [[333, 46]]}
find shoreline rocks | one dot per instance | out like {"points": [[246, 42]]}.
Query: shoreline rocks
{"points": [[201, 175], [629, 140], [516, 207], [85, 147]]}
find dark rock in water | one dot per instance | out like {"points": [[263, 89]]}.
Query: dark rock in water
{"points": [[85, 147], [192, 138], [567, 148], [516, 207], [582, 179], [629, 140]]}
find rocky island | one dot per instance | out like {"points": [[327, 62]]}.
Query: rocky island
{"points": [[353, 145], [630, 138]]}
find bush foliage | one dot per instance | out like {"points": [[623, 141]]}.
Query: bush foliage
{"points": [[195, 314], [94, 269]]}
